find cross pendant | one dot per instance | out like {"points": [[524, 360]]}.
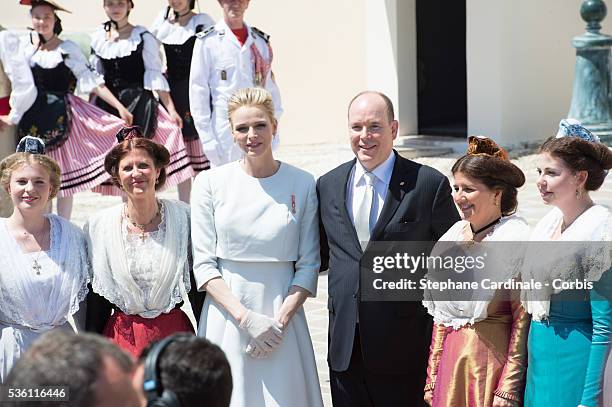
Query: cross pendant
{"points": [[36, 267], [142, 236]]}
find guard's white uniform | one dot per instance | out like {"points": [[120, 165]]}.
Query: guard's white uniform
{"points": [[219, 67]]}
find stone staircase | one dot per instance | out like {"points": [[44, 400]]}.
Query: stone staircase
{"points": [[428, 146]]}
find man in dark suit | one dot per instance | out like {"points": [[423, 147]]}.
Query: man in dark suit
{"points": [[377, 350]]}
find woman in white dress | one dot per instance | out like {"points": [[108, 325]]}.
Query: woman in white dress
{"points": [[256, 253], [43, 268]]}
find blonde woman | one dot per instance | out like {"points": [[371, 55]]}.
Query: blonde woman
{"points": [[44, 269], [256, 254]]}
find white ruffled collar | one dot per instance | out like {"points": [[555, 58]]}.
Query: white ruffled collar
{"points": [[116, 49], [582, 261], [49, 59], [176, 34], [457, 314]]}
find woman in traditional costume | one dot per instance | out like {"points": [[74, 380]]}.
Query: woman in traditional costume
{"points": [[256, 254], [478, 347], [140, 251], [571, 330], [176, 28], [129, 59], [44, 268], [76, 134]]}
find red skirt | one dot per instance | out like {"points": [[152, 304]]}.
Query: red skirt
{"points": [[133, 333]]}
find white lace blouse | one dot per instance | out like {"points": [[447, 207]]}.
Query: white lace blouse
{"points": [[103, 48], [145, 277], [43, 301], [69, 53]]}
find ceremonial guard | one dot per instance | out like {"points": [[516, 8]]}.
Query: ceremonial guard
{"points": [[227, 57]]}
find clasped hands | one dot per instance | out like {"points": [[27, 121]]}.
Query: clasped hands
{"points": [[266, 334]]}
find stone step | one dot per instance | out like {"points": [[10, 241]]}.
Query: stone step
{"points": [[427, 146], [409, 152]]}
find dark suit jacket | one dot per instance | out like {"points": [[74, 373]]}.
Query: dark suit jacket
{"points": [[394, 336]]}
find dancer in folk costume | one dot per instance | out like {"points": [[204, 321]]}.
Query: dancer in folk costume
{"points": [[76, 133], [17, 93], [571, 330], [176, 28], [227, 57], [128, 56], [478, 349], [45, 270]]}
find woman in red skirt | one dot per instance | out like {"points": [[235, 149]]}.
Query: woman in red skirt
{"points": [[140, 252]]}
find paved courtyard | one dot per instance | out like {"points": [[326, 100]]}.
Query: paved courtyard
{"points": [[318, 159]]}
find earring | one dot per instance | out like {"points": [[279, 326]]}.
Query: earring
{"points": [[156, 181]]}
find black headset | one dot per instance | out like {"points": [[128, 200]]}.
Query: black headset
{"points": [[156, 395]]}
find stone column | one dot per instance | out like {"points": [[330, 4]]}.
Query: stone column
{"points": [[592, 92]]}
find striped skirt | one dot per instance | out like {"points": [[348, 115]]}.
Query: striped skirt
{"points": [[186, 158], [81, 157]]}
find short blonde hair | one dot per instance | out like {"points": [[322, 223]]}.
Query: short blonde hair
{"points": [[16, 160], [252, 97]]}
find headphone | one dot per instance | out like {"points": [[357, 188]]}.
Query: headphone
{"points": [[156, 395]]}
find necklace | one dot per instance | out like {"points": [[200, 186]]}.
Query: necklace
{"points": [[475, 232], [24, 237], [142, 226]]}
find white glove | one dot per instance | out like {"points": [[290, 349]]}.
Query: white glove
{"points": [[266, 332], [255, 351]]}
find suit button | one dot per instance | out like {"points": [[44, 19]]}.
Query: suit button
{"points": [[354, 295]]}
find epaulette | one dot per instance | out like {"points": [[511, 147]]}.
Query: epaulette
{"points": [[205, 32], [262, 34]]}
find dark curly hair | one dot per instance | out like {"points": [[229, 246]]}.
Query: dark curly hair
{"points": [[488, 163], [133, 139], [581, 155]]}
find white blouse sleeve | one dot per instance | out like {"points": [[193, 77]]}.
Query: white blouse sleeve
{"points": [[87, 78], [153, 78], [309, 260], [23, 90], [203, 231], [96, 63]]}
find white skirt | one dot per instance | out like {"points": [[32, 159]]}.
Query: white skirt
{"points": [[288, 377]]}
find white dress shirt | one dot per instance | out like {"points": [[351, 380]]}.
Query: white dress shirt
{"points": [[356, 188]]}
